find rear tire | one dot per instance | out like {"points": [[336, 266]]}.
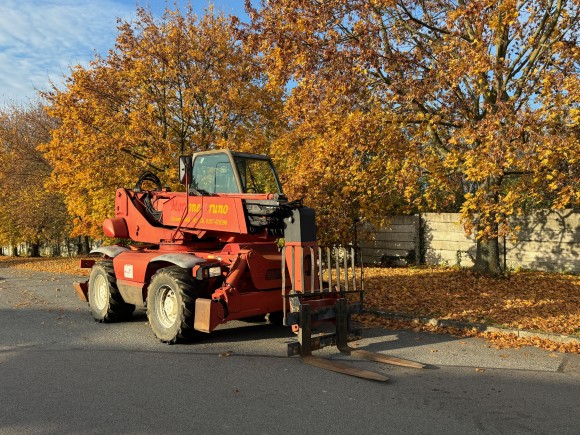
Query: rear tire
{"points": [[171, 305], [276, 318], [105, 301]]}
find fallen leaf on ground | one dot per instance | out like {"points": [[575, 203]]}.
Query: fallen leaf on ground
{"points": [[540, 301]]}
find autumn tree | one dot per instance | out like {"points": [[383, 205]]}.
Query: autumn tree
{"points": [[30, 213], [467, 106], [170, 86]]}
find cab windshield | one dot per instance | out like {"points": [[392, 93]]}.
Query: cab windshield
{"points": [[256, 175]]}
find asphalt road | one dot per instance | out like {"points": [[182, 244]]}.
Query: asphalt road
{"points": [[61, 372]]}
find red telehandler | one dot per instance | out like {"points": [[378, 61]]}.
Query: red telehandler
{"points": [[213, 254]]}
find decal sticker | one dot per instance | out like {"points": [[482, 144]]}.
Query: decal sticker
{"points": [[218, 208], [128, 271], [194, 208]]}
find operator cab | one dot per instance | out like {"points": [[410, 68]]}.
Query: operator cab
{"points": [[230, 172]]}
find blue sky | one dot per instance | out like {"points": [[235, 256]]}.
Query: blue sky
{"points": [[40, 39]]}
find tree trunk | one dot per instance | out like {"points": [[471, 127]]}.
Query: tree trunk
{"points": [[56, 249], [35, 249], [487, 257], [14, 250], [487, 250], [84, 245]]}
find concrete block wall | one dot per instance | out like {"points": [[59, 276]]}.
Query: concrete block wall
{"points": [[443, 240], [547, 240]]}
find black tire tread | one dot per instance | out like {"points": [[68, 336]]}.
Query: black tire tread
{"points": [[118, 310], [186, 288], [276, 318]]}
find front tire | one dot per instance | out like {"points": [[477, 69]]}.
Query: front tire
{"points": [[105, 301], [171, 305]]}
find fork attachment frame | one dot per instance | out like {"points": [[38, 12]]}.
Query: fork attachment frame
{"points": [[343, 334]]}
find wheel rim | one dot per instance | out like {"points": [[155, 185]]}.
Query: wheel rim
{"points": [[167, 306], [101, 292]]}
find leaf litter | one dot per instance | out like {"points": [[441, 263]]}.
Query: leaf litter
{"points": [[537, 301]]}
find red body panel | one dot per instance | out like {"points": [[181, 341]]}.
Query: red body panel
{"points": [[220, 216], [207, 213], [214, 228], [257, 288]]}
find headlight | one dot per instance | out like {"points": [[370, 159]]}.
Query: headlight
{"points": [[215, 271], [206, 272]]}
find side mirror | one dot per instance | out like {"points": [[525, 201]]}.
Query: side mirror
{"points": [[185, 170]]}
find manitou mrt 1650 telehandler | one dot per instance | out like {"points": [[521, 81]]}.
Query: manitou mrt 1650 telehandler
{"points": [[211, 254]]}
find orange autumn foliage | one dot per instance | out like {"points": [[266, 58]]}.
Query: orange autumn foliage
{"points": [[30, 213], [171, 86], [437, 106]]}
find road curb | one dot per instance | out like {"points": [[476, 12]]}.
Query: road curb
{"points": [[558, 338]]}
